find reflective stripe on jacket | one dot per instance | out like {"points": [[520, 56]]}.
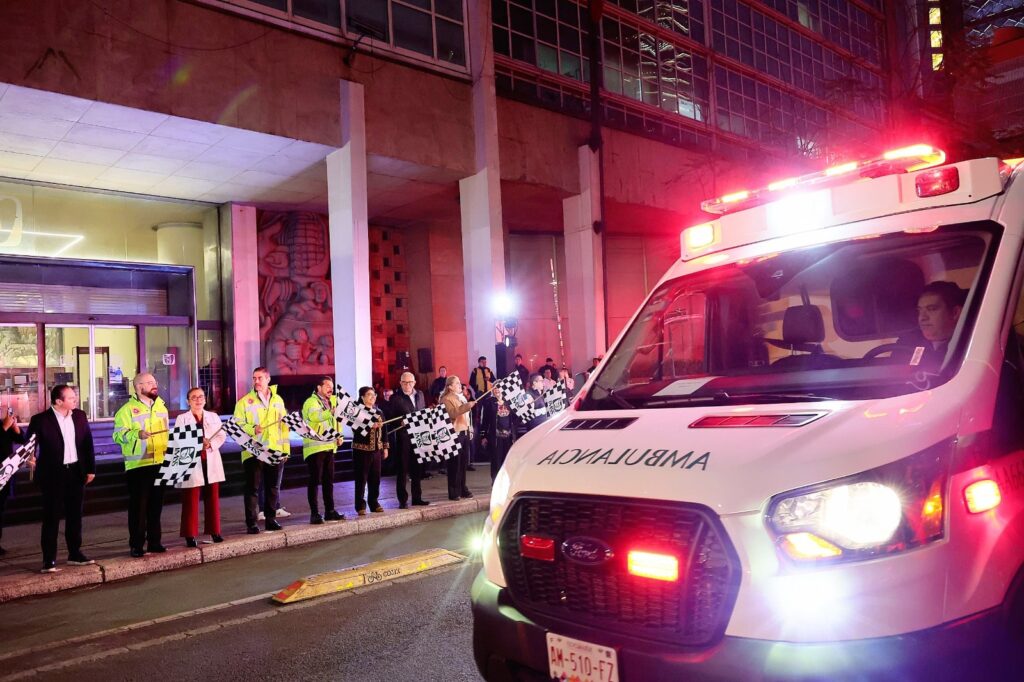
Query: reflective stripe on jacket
{"points": [[250, 412], [319, 417], [133, 417]]}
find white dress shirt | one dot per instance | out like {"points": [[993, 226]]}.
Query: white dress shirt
{"points": [[67, 431]]}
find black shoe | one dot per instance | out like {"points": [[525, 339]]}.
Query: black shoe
{"points": [[314, 519], [333, 515], [378, 509], [453, 498], [403, 505], [156, 549], [361, 512], [217, 538], [467, 495], [420, 503], [137, 553], [252, 530], [191, 542], [49, 567], [80, 560], [272, 525]]}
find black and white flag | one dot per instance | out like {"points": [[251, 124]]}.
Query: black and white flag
{"points": [[22, 454], [510, 389], [184, 447], [297, 424], [257, 449], [432, 433], [556, 398], [352, 412]]}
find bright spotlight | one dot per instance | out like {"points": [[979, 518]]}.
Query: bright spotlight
{"points": [[504, 305]]}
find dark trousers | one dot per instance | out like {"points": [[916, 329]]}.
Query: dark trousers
{"points": [[321, 475], [367, 477], [145, 503], [406, 469], [4, 494], [456, 466], [272, 476], [260, 476], [502, 444], [63, 496]]}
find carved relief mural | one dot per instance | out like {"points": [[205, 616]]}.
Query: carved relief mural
{"points": [[295, 293]]}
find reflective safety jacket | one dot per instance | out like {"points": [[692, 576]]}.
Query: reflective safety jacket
{"points": [[319, 417], [133, 417], [250, 412]]}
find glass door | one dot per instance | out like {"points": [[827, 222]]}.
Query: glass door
{"points": [[19, 368], [170, 355], [99, 362]]}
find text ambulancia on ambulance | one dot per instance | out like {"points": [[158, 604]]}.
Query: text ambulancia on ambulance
{"points": [[802, 458]]}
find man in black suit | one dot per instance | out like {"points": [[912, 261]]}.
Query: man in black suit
{"points": [[406, 401], [65, 464], [10, 435]]}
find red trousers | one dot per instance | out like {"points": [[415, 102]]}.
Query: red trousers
{"points": [[190, 510]]}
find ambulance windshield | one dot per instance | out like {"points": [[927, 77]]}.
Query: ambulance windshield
{"points": [[863, 318]]}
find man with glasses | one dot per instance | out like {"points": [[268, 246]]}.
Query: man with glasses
{"points": [[403, 402], [140, 428]]}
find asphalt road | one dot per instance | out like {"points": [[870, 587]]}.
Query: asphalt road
{"points": [[215, 622]]}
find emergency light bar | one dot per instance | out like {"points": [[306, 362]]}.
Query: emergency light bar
{"points": [[903, 160]]}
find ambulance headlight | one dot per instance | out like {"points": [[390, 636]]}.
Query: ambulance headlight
{"points": [[884, 510], [499, 494]]}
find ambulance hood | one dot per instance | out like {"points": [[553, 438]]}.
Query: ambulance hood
{"points": [[731, 469]]}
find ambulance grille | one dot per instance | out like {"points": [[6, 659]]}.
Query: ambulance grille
{"points": [[691, 612], [608, 424]]}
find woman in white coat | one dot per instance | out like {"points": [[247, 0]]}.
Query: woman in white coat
{"points": [[206, 476]]}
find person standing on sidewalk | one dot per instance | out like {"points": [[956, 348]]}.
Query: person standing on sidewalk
{"points": [[318, 413], [403, 402], [259, 413], [10, 435], [206, 476], [140, 428], [65, 462], [458, 409], [368, 454]]}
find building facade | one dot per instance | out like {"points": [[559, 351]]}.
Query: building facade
{"points": [[346, 187]]}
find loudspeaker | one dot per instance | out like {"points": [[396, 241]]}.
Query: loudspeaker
{"points": [[504, 360], [425, 360], [403, 360]]}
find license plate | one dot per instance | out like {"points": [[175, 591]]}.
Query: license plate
{"points": [[579, 661]]}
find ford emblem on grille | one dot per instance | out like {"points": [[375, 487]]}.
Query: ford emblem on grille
{"points": [[586, 550]]}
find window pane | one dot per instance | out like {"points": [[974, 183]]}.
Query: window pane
{"points": [[449, 8], [67, 362], [547, 58], [451, 43], [116, 363], [424, 4], [413, 30], [276, 4], [19, 361], [368, 17], [324, 11]]}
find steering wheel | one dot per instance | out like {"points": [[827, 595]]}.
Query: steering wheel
{"points": [[883, 349]]}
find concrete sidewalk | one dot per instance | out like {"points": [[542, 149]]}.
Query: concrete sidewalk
{"points": [[106, 536]]}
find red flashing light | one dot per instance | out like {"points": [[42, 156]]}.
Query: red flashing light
{"points": [[653, 565], [537, 547], [937, 182]]}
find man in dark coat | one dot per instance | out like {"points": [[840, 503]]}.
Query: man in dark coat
{"points": [[10, 434], [65, 464], [403, 402]]}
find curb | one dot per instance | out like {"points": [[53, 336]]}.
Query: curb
{"points": [[121, 568]]}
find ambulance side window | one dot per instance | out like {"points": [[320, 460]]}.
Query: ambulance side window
{"points": [[1008, 421]]}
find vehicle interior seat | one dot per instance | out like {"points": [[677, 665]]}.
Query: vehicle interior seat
{"points": [[803, 331]]}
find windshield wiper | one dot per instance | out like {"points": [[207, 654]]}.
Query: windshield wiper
{"points": [[723, 397], [622, 402]]}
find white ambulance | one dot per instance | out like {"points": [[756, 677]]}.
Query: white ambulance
{"points": [[802, 459]]}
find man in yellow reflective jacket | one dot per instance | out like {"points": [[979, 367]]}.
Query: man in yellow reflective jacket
{"points": [[318, 413], [140, 428], [259, 412]]}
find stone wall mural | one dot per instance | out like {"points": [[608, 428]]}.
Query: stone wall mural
{"points": [[295, 293]]}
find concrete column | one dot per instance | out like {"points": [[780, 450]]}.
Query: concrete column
{"points": [[483, 241], [350, 244], [583, 264], [245, 311]]}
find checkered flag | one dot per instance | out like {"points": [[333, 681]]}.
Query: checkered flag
{"points": [[353, 413], [10, 466], [556, 398], [432, 433], [254, 447], [184, 446], [511, 390], [297, 424]]}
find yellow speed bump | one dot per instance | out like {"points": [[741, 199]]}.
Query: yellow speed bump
{"points": [[367, 574]]}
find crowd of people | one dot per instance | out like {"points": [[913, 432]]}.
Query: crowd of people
{"points": [[64, 463]]}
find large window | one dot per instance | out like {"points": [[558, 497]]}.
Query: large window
{"points": [[552, 35], [840, 21]]}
